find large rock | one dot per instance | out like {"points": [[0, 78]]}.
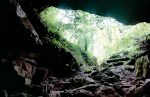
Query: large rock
{"points": [[105, 75], [25, 68], [139, 91], [106, 91]]}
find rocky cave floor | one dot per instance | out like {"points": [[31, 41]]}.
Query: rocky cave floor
{"points": [[22, 75], [117, 80]]}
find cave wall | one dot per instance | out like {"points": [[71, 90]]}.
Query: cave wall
{"points": [[14, 37]]}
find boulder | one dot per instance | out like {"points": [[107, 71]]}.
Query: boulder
{"points": [[32, 74], [106, 91]]}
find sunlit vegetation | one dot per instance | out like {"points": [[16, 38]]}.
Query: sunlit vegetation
{"points": [[81, 57], [97, 36]]}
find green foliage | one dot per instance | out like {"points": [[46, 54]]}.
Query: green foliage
{"points": [[131, 40], [89, 36], [81, 57]]}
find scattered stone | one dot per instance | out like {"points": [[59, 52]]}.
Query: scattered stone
{"points": [[54, 94], [140, 91], [77, 82], [106, 91], [119, 89], [90, 87], [89, 80], [105, 77], [62, 85], [24, 73], [134, 92], [30, 73], [66, 94], [83, 93], [130, 67], [94, 73], [117, 63], [146, 87]]}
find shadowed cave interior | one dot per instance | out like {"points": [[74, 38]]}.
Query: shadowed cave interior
{"points": [[39, 57]]}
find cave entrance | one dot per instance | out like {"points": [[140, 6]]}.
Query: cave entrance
{"points": [[98, 36]]}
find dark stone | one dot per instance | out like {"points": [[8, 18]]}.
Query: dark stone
{"points": [[130, 68], [35, 90], [112, 79], [119, 89], [117, 63], [94, 73], [91, 87], [134, 92], [139, 90], [10, 80], [62, 85], [65, 94], [106, 91], [77, 82], [39, 75], [106, 75], [146, 87], [83, 93]]}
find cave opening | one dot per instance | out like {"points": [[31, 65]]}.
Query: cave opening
{"points": [[74, 48]]}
